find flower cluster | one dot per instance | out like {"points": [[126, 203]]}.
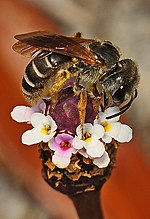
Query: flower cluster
{"points": [[89, 140]]}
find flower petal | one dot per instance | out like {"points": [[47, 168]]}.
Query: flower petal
{"points": [[22, 113], [48, 120], [87, 127], [39, 107], [77, 143], [114, 130], [60, 161], [64, 137], [78, 132], [108, 112], [55, 145], [102, 161], [47, 138], [98, 131], [125, 134], [37, 119], [31, 137], [95, 148], [106, 138], [83, 152], [58, 139]]}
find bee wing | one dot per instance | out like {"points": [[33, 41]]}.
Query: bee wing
{"points": [[33, 43], [25, 49]]}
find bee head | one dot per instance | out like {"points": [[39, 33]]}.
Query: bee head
{"points": [[121, 82]]}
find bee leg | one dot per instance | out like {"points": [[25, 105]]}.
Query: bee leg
{"points": [[82, 109], [60, 79], [96, 102], [47, 103], [54, 100]]}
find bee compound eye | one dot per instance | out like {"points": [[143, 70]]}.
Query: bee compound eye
{"points": [[119, 95]]}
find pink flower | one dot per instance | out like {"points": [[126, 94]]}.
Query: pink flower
{"points": [[63, 149]]}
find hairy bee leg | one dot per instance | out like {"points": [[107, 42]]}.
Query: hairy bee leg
{"points": [[96, 102], [54, 100], [82, 109], [62, 76]]}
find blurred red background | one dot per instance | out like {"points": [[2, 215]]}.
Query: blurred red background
{"points": [[126, 195]]}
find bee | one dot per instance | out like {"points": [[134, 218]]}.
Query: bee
{"points": [[94, 65]]}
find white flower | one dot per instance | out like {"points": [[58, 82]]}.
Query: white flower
{"points": [[24, 113], [101, 161], [93, 146], [43, 129], [113, 128]]}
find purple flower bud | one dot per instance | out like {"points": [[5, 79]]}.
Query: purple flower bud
{"points": [[66, 112]]}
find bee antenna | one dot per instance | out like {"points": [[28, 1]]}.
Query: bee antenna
{"points": [[124, 108]]}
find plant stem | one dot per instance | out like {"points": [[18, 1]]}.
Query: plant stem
{"points": [[88, 205]]}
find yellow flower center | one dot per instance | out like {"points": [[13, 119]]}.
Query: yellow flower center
{"points": [[46, 130], [65, 144], [87, 137], [107, 126]]}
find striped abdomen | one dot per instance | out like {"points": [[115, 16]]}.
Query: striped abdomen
{"points": [[38, 72]]}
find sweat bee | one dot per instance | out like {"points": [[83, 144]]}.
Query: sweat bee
{"points": [[94, 65]]}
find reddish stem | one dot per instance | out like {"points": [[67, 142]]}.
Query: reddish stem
{"points": [[88, 205]]}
